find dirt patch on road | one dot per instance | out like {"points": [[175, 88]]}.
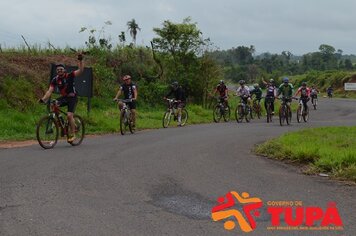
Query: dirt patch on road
{"points": [[16, 144]]}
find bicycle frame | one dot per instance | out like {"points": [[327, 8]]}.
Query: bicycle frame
{"points": [[55, 111]]}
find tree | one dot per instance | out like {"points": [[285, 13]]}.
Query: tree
{"points": [[348, 64], [181, 45], [122, 38], [132, 26]]}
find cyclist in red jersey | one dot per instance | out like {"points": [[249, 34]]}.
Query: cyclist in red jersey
{"points": [[304, 94], [65, 83], [223, 92]]}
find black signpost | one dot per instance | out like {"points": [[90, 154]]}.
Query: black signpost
{"points": [[83, 83]]}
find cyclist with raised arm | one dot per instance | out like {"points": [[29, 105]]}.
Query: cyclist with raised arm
{"points": [[129, 89], [304, 95], [179, 95], [64, 81], [223, 92], [271, 94]]}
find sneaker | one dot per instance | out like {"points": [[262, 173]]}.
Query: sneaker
{"points": [[179, 125], [71, 139], [272, 113]]}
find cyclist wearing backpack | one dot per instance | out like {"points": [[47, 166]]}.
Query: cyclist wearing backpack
{"points": [[179, 95], [304, 94], [130, 92]]}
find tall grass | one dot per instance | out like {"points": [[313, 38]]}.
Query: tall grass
{"points": [[330, 149]]}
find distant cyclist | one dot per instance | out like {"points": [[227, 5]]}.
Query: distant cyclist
{"points": [[271, 94], [65, 83], [244, 92], [286, 90], [304, 95], [314, 93], [179, 95], [130, 92], [330, 91], [223, 92]]}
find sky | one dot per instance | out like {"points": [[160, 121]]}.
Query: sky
{"points": [[298, 26]]}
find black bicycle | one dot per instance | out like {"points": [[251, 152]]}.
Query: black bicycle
{"points": [[126, 122], [47, 131], [285, 112], [269, 111], [221, 110]]}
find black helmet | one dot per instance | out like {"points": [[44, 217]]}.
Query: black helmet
{"points": [[304, 84], [174, 84], [241, 82], [285, 80]]}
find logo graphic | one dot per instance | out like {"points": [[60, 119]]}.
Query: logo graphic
{"points": [[284, 215], [250, 209]]}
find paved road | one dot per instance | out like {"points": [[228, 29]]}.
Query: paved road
{"points": [[162, 182]]}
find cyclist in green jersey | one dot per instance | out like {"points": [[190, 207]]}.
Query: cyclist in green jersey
{"points": [[257, 91], [286, 89]]}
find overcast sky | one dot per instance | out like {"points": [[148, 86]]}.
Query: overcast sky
{"points": [[299, 26]]}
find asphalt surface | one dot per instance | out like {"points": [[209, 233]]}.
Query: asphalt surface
{"points": [[163, 182]]}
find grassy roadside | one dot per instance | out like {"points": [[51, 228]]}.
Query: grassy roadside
{"points": [[330, 150], [103, 118]]}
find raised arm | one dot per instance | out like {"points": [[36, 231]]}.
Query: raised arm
{"points": [[80, 66]]}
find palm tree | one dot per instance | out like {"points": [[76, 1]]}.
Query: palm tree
{"points": [[132, 26]]}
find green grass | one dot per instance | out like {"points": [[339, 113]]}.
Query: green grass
{"points": [[329, 150], [103, 118]]}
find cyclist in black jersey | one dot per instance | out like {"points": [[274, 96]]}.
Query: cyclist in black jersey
{"points": [[129, 89], [179, 95]]}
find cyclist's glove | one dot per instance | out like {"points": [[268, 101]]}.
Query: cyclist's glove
{"points": [[80, 57], [41, 101]]}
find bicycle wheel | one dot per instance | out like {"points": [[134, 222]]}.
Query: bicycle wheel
{"points": [[123, 122], [315, 103], [299, 113], [282, 115], [306, 115], [248, 114], [184, 117], [269, 113], [227, 114], [166, 119], [258, 111], [217, 114], [239, 113], [47, 132], [252, 112], [79, 131], [288, 115]]}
